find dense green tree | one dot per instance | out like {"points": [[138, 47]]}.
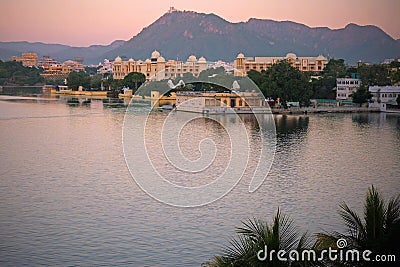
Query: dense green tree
{"points": [[76, 79], [324, 87], [378, 231], [284, 82], [95, 81], [13, 73], [133, 80], [287, 83], [335, 69], [361, 96], [255, 235], [377, 74]]}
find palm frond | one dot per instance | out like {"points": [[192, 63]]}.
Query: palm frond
{"points": [[352, 221], [392, 212], [374, 212]]}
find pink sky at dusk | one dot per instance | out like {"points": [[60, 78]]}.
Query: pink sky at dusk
{"points": [[87, 22]]}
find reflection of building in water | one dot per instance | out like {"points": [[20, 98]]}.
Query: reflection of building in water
{"points": [[244, 64], [157, 68], [286, 125]]}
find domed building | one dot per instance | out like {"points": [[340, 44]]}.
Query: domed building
{"points": [[244, 64], [157, 67]]}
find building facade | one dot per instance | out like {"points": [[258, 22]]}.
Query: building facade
{"points": [[27, 59], [384, 95], [157, 68], [244, 64], [221, 102], [61, 71], [345, 87]]}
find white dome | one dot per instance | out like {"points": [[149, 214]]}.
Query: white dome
{"points": [[240, 55], [291, 55], [161, 60], [192, 59], [131, 60], [148, 61], [118, 59], [155, 54], [321, 57], [202, 60]]}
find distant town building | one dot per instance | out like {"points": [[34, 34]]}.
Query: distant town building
{"points": [[345, 87], [384, 95], [244, 64], [79, 59], [157, 68], [56, 71], [172, 9], [227, 66], [61, 71], [106, 67], [46, 61], [27, 59], [75, 66]]}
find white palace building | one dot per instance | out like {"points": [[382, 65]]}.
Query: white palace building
{"points": [[157, 68], [244, 64]]}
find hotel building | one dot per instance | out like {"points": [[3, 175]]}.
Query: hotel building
{"points": [[157, 68], [27, 59], [345, 87], [384, 95], [244, 64]]}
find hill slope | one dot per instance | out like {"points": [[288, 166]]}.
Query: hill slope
{"points": [[180, 34]]}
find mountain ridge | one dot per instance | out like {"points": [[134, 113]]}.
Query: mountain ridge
{"points": [[179, 34]]}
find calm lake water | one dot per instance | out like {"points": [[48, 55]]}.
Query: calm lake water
{"points": [[67, 197]]}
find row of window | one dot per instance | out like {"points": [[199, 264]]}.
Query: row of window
{"points": [[348, 82], [390, 95], [342, 95], [298, 67]]}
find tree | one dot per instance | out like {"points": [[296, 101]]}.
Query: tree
{"points": [[76, 79], [324, 87], [378, 231], [134, 80], [95, 81], [283, 81], [13, 73], [335, 69], [255, 235], [361, 96], [377, 74], [287, 83]]}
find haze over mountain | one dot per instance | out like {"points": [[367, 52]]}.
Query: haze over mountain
{"points": [[180, 34]]}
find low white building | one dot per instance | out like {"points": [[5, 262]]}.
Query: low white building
{"points": [[383, 96], [345, 87]]}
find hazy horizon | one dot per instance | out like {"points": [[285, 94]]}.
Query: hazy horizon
{"points": [[85, 23]]}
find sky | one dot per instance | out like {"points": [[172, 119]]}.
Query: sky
{"points": [[88, 22]]}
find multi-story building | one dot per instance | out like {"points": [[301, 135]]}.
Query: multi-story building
{"points": [[57, 71], [27, 59], [106, 67], [46, 61], [244, 64], [383, 96], [75, 66], [157, 68], [345, 87]]}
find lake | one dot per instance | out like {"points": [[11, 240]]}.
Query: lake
{"points": [[67, 197]]}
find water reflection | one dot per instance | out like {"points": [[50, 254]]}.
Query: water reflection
{"points": [[67, 198]]}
